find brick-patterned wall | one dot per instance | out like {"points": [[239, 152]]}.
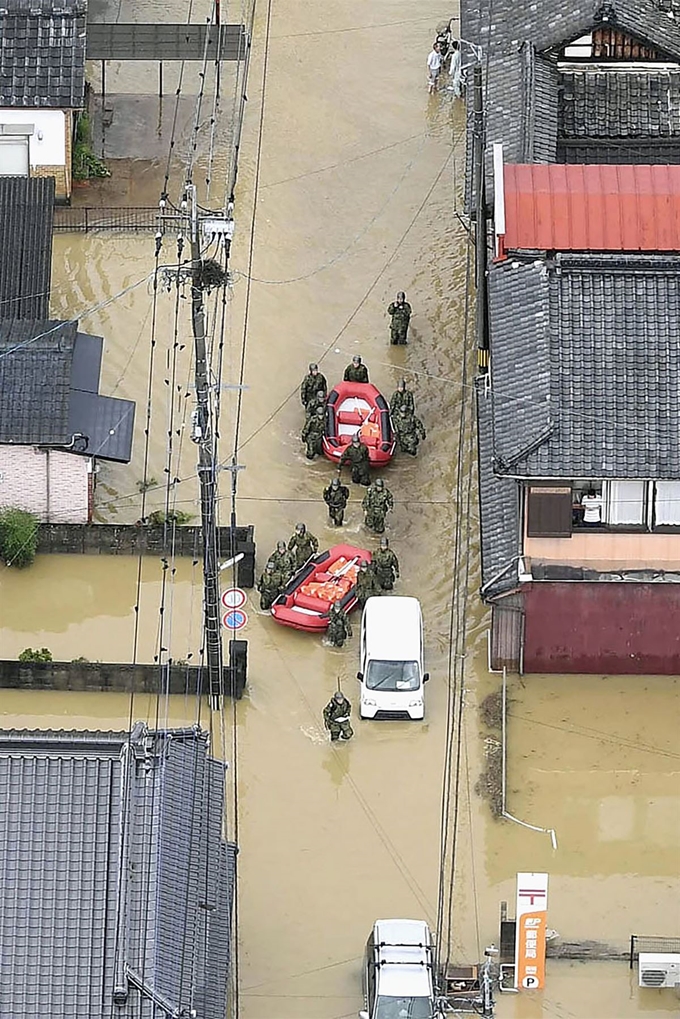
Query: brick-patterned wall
{"points": [[61, 189], [60, 498]]}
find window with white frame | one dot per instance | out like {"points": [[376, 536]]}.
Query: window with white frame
{"points": [[667, 503], [625, 502]]}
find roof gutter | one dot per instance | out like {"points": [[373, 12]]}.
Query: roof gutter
{"points": [[501, 573]]}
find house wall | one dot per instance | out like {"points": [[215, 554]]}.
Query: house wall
{"points": [[600, 550], [602, 628], [50, 483], [49, 156]]}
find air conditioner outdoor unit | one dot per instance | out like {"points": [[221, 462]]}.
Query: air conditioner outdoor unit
{"points": [[659, 970]]}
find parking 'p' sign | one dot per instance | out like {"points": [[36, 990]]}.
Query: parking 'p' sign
{"points": [[234, 619]]}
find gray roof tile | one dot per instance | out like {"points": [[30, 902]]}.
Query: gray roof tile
{"points": [[39, 402], [599, 104], [77, 919], [498, 505], [42, 53], [26, 213], [613, 386]]}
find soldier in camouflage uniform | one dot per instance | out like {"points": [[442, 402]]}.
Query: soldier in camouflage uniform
{"points": [[312, 434], [400, 313], [335, 497], [339, 628], [409, 431], [316, 401], [356, 371], [302, 545], [377, 503], [269, 585], [356, 454], [312, 384], [402, 397], [336, 717], [284, 562], [386, 565], [367, 585]]}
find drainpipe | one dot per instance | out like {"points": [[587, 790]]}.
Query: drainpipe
{"points": [[480, 221], [47, 486]]}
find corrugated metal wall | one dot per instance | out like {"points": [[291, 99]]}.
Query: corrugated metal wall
{"points": [[602, 628]]}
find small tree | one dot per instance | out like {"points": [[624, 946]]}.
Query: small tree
{"points": [[18, 536], [30, 654]]}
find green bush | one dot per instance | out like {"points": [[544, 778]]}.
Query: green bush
{"points": [[30, 654], [178, 517], [84, 162], [18, 537]]}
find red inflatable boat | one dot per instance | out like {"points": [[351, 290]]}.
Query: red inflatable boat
{"points": [[358, 407], [327, 577]]}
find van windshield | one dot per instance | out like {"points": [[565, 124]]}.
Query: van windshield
{"points": [[402, 1008], [392, 675]]}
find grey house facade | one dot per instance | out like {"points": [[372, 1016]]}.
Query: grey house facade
{"points": [[582, 389], [116, 882]]}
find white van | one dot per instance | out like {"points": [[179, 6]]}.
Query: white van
{"points": [[392, 675], [398, 970]]}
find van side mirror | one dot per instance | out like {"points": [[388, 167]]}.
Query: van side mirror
{"points": [[426, 677], [363, 1015], [360, 676]]}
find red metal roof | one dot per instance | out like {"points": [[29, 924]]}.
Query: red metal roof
{"points": [[574, 207]]}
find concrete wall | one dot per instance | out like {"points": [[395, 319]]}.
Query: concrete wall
{"points": [[602, 628], [130, 539], [96, 676], [115, 677], [50, 483]]}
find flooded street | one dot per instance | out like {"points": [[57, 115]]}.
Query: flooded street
{"points": [[357, 182]]}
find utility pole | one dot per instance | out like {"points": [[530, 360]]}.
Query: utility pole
{"points": [[202, 274], [202, 435], [480, 218]]}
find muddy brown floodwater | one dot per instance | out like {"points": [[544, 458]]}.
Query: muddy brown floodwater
{"points": [[357, 190]]}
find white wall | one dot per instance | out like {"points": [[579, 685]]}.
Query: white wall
{"points": [[50, 150], [30, 478]]}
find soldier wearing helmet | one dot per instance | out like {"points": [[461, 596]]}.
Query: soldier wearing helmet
{"points": [[400, 314]]}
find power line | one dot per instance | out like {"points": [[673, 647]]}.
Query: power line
{"points": [[360, 305]]}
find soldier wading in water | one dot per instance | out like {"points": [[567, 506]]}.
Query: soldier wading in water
{"points": [[336, 717], [339, 628], [356, 455], [335, 497]]}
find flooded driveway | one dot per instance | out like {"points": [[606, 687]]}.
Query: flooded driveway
{"points": [[358, 184]]}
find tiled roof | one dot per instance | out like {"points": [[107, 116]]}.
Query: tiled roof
{"points": [[41, 399], [522, 83], [116, 882], [605, 104], [26, 213], [501, 25], [585, 367], [498, 506], [522, 108], [35, 381], [42, 53]]}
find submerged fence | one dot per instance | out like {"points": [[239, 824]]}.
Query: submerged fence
{"points": [[86, 218]]}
